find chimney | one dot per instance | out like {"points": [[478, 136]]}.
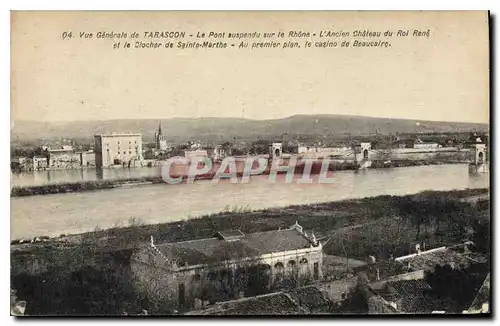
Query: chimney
{"points": [[297, 227], [315, 242], [152, 242], [378, 274]]}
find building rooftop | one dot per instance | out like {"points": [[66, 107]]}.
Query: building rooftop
{"points": [[61, 149], [310, 297], [118, 134], [234, 245], [411, 295], [451, 256], [268, 304], [230, 234]]}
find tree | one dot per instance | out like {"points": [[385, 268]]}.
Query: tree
{"points": [[260, 147], [357, 298], [459, 285], [227, 147], [481, 236], [362, 279]]}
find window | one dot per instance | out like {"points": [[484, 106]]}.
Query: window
{"points": [[316, 271], [118, 142], [343, 295], [182, 293], [118, 153], [130, 152]]}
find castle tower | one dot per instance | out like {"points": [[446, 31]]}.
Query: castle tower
{"points": [[275, 150], [479, 160], [160, 139], [362, 154]]}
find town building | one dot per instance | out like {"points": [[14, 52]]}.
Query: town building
{"points": [[275, 150], [420, 144], [21, 160], [218, 153], [230, 265], [160, 140], [475, 139], [63, 157], [195, 153], [18, 163], [40, 163], [319, 152], [87, 158], [117, 149]]}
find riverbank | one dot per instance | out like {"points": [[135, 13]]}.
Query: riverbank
{"points": [[89, 273], [84, 186], [319, 217]]}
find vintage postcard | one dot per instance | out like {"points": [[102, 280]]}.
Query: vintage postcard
{"points": [[250, 163]]}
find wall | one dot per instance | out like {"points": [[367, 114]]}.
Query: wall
{"points": [[39, 163], [87, 159], [304, 269], [335, 290], [415, 275]]}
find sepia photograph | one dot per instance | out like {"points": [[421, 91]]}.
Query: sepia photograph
{"points": [[250, 163]]}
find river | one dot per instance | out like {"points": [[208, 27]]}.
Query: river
{"points": [[53, 215]]}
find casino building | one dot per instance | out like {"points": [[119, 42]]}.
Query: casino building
{"points": [[191, 274]]}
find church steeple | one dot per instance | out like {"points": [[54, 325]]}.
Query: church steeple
{"points": [[160, 140], [159, 128]]}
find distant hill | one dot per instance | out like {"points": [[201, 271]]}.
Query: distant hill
{"points": [[221, 129]]}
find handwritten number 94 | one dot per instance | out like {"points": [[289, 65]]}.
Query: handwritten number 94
{"points": [[67, 35]]}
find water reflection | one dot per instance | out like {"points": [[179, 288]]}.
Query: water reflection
{"points": [[79, 212], [36, 178]]}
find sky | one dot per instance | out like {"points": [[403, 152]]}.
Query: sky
{"points": [[444, 77]]}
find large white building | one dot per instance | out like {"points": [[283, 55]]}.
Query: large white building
{"points": [[117, 149]]}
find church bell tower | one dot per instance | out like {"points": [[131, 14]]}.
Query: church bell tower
{"points": [[160, 139]]}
